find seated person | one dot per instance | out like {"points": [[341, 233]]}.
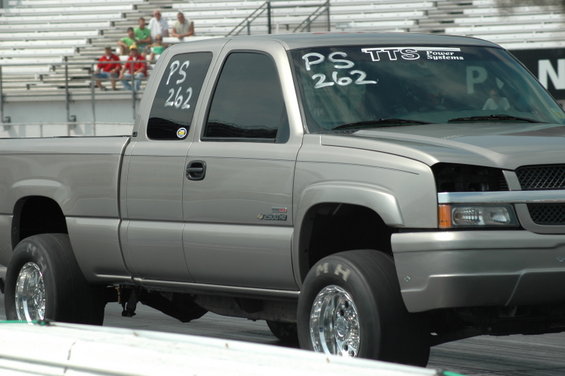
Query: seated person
{"points": [[142, 35], [108, 68], [183, 27], [135, 68], [126, 42], [158, 25], [157, 48]]}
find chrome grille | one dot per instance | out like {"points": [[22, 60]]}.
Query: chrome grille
{"points": [[547, 214], [541, 177]]}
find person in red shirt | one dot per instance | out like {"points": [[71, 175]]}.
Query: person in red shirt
{"points": [[136, 67], [108, 68]]}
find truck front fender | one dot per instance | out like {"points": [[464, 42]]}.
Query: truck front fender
{"points": [[373, 197]]}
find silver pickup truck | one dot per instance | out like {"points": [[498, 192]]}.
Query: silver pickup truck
{"points": [[369, 195]]}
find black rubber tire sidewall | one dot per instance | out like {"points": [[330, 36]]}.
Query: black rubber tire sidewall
{"points": [[388, 331], [286, 332], [68, 296]]}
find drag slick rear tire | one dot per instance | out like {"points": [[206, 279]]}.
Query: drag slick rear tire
{"points": [[350, 305], [44, 282]]}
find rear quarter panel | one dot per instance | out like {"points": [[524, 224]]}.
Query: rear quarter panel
{"points": [[80, 174]]}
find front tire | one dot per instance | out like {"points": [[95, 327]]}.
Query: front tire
{"points": [[350, 305], [284, 331], [44, 282]]}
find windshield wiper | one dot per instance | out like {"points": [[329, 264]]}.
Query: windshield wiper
{"points": [[392, 122], [499, 117]]}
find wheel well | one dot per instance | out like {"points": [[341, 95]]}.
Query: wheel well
{"points": [[333, 227], [37, 215]]}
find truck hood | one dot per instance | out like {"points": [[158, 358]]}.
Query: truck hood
{"points": [[504, 145]]}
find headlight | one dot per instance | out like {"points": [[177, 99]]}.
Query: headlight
{"points": [[471, 215], [453, 177]]}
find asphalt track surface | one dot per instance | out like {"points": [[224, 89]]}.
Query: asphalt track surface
{"points": [[540, 355]]}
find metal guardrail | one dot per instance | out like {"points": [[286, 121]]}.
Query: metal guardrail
{"points": [[58, 349], [69, 93], [269, 9]]}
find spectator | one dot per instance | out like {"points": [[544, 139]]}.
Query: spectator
{"points": [[135, 67], [126, 42], [143, 35], [157, 48], [108, 68], [158, 25], [183, 27]]}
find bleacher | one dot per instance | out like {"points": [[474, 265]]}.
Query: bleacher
{"points": [[38, 36], [512, 24]]}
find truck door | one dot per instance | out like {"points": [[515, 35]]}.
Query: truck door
{"points": [[151, 232], [238, 188]]}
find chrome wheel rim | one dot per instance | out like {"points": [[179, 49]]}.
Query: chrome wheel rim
{"points": [[334, 323], [30, 293]]}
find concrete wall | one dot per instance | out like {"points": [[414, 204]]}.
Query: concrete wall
{"points": [[44, 113]]}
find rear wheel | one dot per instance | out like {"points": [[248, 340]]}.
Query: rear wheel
{"points": [[350, 305], [44, 281]]}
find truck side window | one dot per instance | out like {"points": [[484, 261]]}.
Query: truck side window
{"points": [[248, 104], [176, 96]]}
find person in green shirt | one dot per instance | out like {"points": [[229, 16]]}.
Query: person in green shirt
{"points": [[157, 48], [126, 42], [143, 35]]}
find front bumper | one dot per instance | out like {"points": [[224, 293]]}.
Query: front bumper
{"points": [[479, 268]]}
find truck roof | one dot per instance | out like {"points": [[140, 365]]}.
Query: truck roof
{"points": [[305, 40]]}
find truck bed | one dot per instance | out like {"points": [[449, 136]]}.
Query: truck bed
{"points": [[80, 174]]}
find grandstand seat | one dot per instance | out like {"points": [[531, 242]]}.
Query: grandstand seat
{"points": [[510, 19], [41, 44], [23, 28], [60, 18], [34, 52], [68, 10], [48, 35], [503, 29], [64, 3], [493, 11]]}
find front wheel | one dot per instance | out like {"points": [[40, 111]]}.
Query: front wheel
{"points": [[284, 331], [350, 305], [44, 281]]}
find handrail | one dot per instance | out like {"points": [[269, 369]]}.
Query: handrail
{"points": [[268, 7], [67, 95], [305, 25], [252, 17]]}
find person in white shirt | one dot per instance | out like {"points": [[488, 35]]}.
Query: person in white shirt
{"points": [[158, 25]]}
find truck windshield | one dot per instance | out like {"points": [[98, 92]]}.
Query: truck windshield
{"points": [[355, 87]]}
